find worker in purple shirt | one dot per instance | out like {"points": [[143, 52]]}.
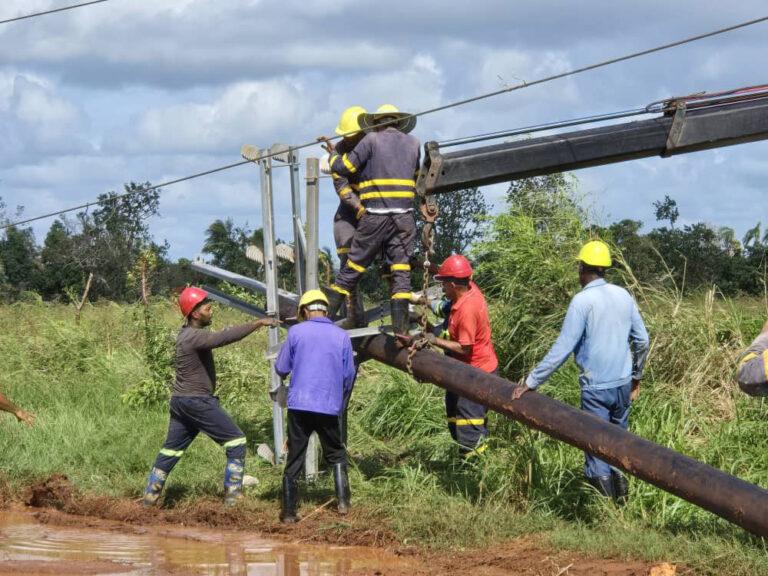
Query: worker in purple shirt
{"points": [[318, 356]]}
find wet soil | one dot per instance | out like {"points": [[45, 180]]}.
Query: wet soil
{"points": [[56, 506]]}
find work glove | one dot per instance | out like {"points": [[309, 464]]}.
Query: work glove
{"points": [[325, 164], [360, 212]]}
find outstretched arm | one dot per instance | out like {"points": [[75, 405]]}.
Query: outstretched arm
{"points": [[204, 340]]}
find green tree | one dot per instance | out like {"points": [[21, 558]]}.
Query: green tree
{"points": [[113, 237], [667, 210], [19, 253], [62, 270]]}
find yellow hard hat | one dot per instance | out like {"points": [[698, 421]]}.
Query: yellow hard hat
{"points": [[312, 296], [405, 122], [348, 124], [595, 253], [384, 108]]}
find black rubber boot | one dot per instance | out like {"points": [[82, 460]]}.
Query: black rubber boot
{"points": [[335, 300], [603, 485], [341, 482], [357, 312], [400, 318], [290, 502], [620, 487]]}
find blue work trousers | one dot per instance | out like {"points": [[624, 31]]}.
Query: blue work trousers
{"points": [[613, 406], [191, 415]]}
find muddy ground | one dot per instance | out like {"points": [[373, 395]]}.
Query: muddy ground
{"points": [[56, 503]]}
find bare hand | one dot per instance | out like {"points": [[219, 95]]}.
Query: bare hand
{"points": [[270, 322], [635, 393], [520, 389], [404, 339], [326, 144], [25, 417]]}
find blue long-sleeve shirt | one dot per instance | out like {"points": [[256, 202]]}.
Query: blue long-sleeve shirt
{"points": [[604, 330], [318, 355]]}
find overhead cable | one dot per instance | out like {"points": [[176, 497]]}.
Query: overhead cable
{"points": [[454, 104], [52, 11]]}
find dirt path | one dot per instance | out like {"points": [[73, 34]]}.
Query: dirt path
{"points": [[57, 504]]}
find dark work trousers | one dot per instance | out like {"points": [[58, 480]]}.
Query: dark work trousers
{"points": [[191, 415], [466, 421], [612, 405], [344, 226], [392, 234], [301, 424]]}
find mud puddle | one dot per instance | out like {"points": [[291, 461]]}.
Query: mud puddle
{"points": [[29, 547]]}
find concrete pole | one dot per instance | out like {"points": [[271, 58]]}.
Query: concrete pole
{"points": [[299, 242], [270, 273], [313, 206], [311, 464]]}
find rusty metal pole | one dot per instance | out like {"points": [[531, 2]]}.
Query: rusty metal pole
{"points": [[729, 497]]}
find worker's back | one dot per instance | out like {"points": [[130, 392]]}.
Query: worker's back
{"points": [[611, 319], [318, 355], [387, 180]]}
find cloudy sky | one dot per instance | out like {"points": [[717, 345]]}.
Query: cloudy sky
{"points": [[151, 90]]}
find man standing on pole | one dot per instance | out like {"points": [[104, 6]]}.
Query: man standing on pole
{"points": [[469, 340], [193, 406], [386, 162], [318, 356], [604, 331]]}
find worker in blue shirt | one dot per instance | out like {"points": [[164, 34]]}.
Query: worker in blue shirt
{"points": [[318, 356], [604, 331]]}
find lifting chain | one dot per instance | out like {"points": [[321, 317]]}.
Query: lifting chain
{"points": [[429, 212]]}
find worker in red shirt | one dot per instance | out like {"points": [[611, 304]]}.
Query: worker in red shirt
{"points": [[469, 340]]}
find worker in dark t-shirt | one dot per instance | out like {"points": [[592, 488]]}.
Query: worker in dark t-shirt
{"points": [[193, 406]]}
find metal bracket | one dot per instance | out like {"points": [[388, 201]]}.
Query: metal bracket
{"points": [[676, 130], [430, 170]]}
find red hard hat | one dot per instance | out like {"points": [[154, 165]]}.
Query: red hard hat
{"points": [[455, 266], [189, 298]]}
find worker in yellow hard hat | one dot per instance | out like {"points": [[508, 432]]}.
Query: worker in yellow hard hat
{"points": [[385, 162], [318, 356], [350, 208], [604, 331]]}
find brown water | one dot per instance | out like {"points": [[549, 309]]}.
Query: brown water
{"points": [[28, 547]]}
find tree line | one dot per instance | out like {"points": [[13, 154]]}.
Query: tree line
{"points": [[113, 245]]}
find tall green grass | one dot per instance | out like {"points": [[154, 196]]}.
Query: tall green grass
{"points": [[405, 469]]}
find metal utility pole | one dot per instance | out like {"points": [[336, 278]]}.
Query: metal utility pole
{"points": [[311, 464], [729, 497], [312, 218], [299, 239], [270, 272]]}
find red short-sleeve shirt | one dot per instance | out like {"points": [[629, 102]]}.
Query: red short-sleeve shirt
{"points": [[469, 325]]}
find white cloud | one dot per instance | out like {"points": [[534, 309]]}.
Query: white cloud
{"points": [[244, 112]]}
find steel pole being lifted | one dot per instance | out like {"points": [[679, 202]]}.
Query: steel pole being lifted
{"points": [[729, 497]]}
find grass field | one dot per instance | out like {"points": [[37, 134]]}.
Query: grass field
{"points": [[88, 384]]}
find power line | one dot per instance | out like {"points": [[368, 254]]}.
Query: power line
{"points": [[53, 11], [454, 104]]}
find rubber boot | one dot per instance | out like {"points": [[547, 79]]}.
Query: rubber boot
{"points": [[603, 485], [233, 481], [356, 311], [335, 300], [154, 487], [620, 487], [400, 317], [290, 501], [341, 482]]}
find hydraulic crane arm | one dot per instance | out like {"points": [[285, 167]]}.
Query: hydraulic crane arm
{"points": [[683, 127]]}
